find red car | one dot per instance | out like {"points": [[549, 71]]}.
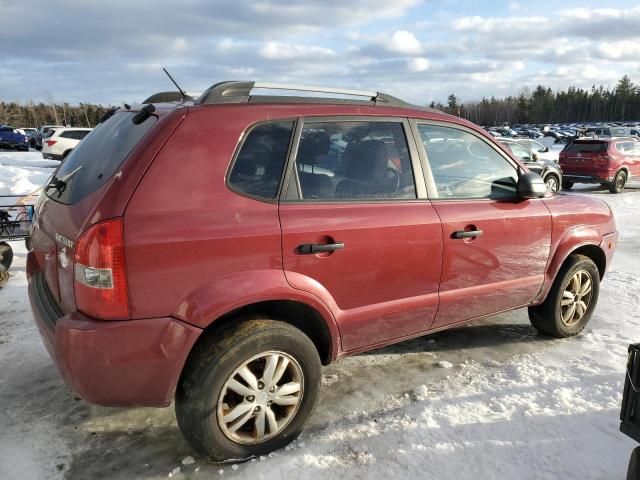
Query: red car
{"points": [[220, 250], [611, 162]]}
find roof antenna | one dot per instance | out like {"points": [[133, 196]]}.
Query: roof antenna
{"points": [[184, 95]]}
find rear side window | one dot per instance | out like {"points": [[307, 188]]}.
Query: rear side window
{"points": [[49, 133], [354, 160], [587, 147], [94, 161], [258, 167]]}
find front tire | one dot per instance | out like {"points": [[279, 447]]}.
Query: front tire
{"points": [[619, 181], [567, 185], [570, 302], [247, 389], [553, 184]]}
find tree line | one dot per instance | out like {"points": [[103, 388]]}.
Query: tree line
{"points": [[543, 105], [32, 115]]}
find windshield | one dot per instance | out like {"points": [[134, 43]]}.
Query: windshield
{"points": [[95, 160]]}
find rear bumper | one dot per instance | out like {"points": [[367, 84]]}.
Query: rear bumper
{"points": [[113, 363], [588, 177]]}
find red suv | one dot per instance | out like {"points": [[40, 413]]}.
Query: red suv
{"points": [[220, 250], [610, 162]]}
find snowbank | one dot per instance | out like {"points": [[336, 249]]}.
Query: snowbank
{"points": [[22, 173]]}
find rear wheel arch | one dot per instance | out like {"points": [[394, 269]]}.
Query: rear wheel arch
{"points": [[298, 314]]}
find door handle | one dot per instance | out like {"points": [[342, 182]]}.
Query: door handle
{"points": [[461, 234], [312, 248]]}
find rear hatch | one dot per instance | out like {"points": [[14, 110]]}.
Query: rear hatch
{"points": [[70, 201], [584, 156]]}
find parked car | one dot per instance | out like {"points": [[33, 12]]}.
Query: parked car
{"points": [[12, 139], [59, 142], [40, 134], [558, 137], [220, 250], [27, 131], [541, 151], [611, 162], [547, 169]]}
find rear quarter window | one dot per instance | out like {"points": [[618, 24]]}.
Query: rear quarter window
{"points": [[259, 164], [95, 160]]}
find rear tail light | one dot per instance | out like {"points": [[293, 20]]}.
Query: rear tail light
{"points": [[100, 272], [51, 143]]}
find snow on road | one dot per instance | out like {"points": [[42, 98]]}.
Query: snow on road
{"points": [[492, 399]]}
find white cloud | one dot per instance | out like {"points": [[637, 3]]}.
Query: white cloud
{"points": [[404, 42], [286, 51], [418, 64]]}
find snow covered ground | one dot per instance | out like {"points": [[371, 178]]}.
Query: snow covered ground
{"points": [[492, 399]]}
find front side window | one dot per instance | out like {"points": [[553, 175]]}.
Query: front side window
{"points": [[352, 160], [261, 159], [466, 166]]}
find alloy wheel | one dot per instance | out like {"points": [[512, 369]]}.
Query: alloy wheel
{"points": [[576, 298], [260, 398], [552, 184]]}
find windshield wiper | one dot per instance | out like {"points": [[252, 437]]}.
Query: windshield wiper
{"points": [[60, 184]]}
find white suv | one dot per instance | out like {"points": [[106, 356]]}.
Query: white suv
{"points": [[58, 142]]}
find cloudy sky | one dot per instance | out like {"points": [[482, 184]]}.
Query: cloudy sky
{"points": [[421, 50]]}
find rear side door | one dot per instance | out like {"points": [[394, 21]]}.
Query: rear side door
{"points": [[358, 229], [496, 245]]}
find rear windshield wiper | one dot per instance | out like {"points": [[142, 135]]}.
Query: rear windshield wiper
{"points": [[60, 184]]}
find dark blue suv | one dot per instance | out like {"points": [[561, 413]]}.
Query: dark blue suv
{"points": [[11, 138]]}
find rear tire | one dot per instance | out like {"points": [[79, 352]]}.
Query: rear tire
{"points": [[214, 388], [570, 302], [6, 256], [566, 185], [619, 181]]}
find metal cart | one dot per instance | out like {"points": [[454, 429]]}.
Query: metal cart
{"points": [[16, 215], [630, 414]]}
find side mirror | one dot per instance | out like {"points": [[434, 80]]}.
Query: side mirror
{"points": [[531, 185], [534, 156], [544, 150]]}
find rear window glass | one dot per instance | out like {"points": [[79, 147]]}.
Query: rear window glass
{"points": [[94, 161], [587, 147], [260, 162]]}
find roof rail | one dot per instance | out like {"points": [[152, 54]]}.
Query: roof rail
{"points": [[240, 92], [167, 97]]}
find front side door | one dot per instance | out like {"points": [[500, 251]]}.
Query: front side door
{"points": [[496, 245], [358, 230]]}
